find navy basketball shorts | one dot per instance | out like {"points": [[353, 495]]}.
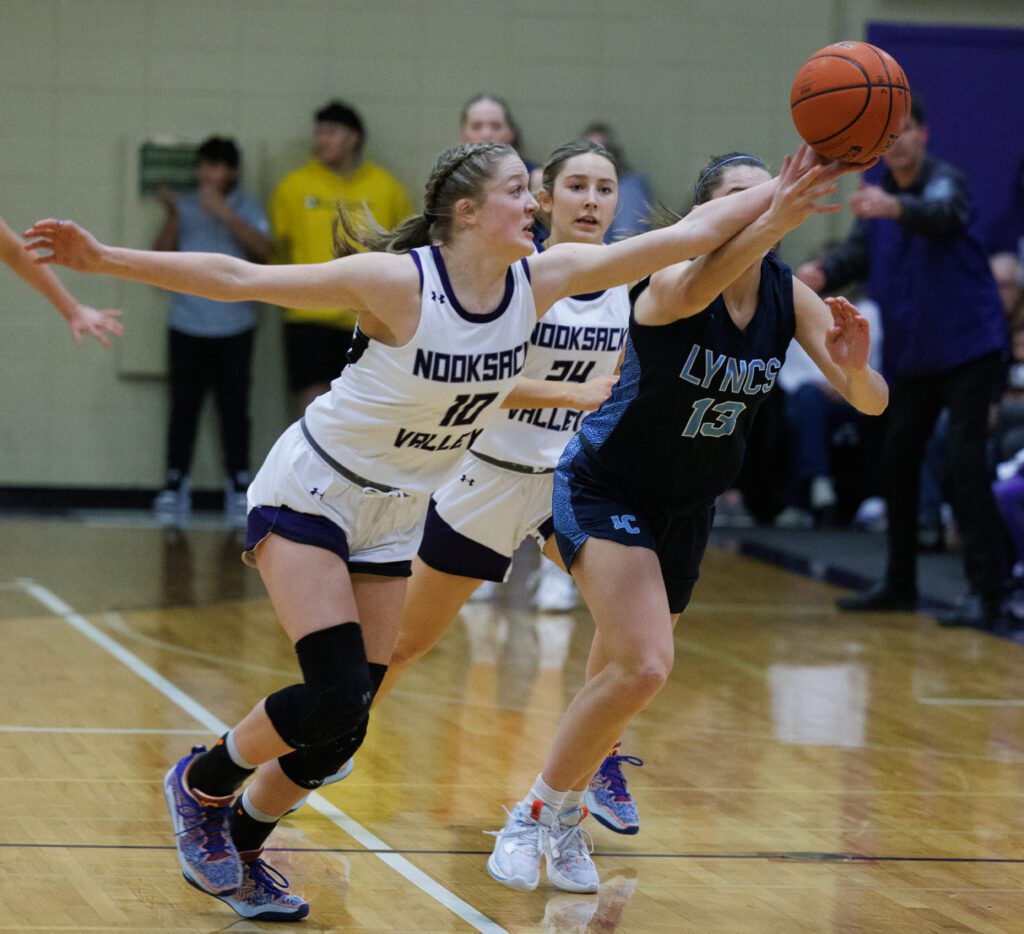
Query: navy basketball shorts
{"points": [[587, 505]]}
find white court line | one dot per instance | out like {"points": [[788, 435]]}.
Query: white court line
{"points": [[353, 828], [116, 622]]}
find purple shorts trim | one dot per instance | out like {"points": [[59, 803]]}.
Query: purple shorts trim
{"points": [[444, 549], [318, 531]]}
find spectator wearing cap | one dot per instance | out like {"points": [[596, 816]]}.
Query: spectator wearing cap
{"points": [[302, 212], [210, 343]]}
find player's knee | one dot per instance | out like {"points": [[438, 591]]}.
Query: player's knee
{"points": [[644, 677], [310, 766], [337, 692]]}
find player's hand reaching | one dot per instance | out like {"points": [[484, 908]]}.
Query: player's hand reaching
{"points": [[95, 323], [848, 341], [801, 185], [69, 245]]}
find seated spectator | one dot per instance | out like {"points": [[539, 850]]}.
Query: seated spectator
{"points": [[814, 413], [635, 197], [210, 342], [1009, 425]]}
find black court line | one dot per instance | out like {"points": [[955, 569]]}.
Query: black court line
{"points": [[805, 857]]}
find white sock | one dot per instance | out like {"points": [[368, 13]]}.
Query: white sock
{"points": [[255, 813], [541, 791], [233, 754], [573, 799]]}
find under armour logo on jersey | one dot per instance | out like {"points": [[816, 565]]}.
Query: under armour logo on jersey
{"points": [[316, 491], [437, 298], [467, 480], [626, 523]]}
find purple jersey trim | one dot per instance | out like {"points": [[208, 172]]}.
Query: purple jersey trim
{"points": [[459, 310]]}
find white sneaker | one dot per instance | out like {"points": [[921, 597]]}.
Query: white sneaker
{"points": [[236, 504], [871, 515], [567, 853], [520, 846], [792, 517], [556, 591], [174, 502], [823, 493]]}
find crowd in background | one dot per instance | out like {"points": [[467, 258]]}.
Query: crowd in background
{"points": [[912, 263]]}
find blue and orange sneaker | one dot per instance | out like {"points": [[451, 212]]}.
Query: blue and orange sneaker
{"points": [[208, 858], [607, 797], [264, 893]]}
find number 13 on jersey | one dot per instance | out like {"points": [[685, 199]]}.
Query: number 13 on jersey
{"points": [[712, 421]]}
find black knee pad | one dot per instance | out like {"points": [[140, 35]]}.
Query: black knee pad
{"points": [[336, 694], [309, 767]]}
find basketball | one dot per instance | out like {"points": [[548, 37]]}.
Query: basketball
{"points": [[850, 101]]}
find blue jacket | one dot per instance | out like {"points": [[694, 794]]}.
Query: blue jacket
{"points": [[927, 271]]}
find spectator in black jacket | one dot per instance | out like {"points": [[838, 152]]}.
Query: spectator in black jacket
{"points": [[945, 345]]}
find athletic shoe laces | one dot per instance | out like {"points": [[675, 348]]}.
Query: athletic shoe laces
{"points": [[612, 772], [210, 820], [267, 879], [571, 842], [525, 834]]}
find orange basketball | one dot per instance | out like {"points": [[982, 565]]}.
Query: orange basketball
{"points": [[850, 101]]}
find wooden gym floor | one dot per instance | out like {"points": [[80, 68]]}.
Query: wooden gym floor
{"points": [[804, 771]]}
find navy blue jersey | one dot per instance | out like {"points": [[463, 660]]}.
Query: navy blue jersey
{"points": [[675, 427]]}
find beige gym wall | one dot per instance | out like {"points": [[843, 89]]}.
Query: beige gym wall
{"points": [[84, 82]]}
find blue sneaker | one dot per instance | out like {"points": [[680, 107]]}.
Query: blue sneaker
{"points": [[208, 858], [607, 798], [264, 893], [344, 772]]}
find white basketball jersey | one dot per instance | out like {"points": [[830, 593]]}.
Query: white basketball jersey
{"points": [[405, 416], [579, 338]]}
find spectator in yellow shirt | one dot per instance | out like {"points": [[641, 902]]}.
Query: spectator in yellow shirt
{"points": [[302, 212]]}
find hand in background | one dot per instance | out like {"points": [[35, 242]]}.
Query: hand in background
{"points": [[95, 323]]}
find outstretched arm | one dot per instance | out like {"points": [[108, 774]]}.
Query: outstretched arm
{"points": [[572, 269], [838, 339], [376, 282], [80, 318], [688, 288]]}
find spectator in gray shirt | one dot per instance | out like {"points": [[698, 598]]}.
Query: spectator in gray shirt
{"points": [[211, 342]]}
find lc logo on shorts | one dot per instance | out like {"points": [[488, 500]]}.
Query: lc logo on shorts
{"points": [[626, 523]]}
